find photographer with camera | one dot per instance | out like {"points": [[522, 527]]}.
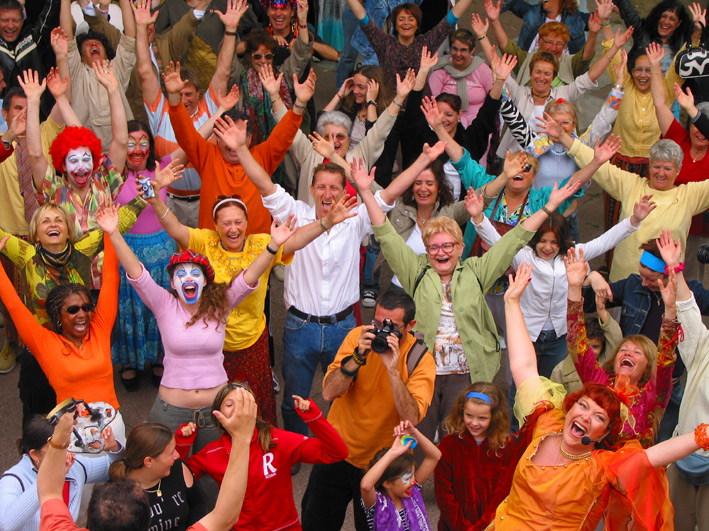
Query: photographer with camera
{"points": [[382, 374]]}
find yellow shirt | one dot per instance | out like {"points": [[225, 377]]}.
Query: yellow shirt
{"points": [[637, 122], [12, 206], [247, 321]]}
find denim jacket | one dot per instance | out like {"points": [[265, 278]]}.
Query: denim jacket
{"points": [[533, 16], [378, 11]]}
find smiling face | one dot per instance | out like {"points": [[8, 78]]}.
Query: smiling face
{"points": [[631, 362], [449, 117], [522, 182], [190, 98], [669, 21], [542, 75], [138, 150], [552, 43], [443, 254], [585, 419], [477, 418], [548, 246], [699, 141], [79, 165], [263, 56], [641, 74], [162, 464], [461, 55], [663, 174], [401, 487], [650, 277], [425, 189], [92, 50], [359, 88], [10, 24], [327, 189], [341, 138], [188, 280], [565, 120], [52, 231], [230, 224], [280, 18], [406, 25], [76, 317]]}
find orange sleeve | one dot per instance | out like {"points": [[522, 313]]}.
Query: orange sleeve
{"points": [[271, 152], [107, 306], [195, 147]]}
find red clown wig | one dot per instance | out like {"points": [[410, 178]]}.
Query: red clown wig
{"points": [[74, 138]]}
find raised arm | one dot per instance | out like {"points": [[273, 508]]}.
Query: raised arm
{"points": [[233, 136], [128, 20], [148, 79], [337, 213], [176, 230], [66, 21], [407, 177], [107, 218], [235, 9], [280, 234], [60, 45], [655, 54], [674, 449], [33, 90], [492, 10], [118, 149], [602, 62], [522, 356], [51, 475], [363, 181], [62, 112], [357, 9]]}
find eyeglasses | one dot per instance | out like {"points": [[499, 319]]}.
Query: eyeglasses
{"points": [[447, 247], [259, 56], [553, 44], [641, 69], [376, 323], [340, 136], [74, 309]]}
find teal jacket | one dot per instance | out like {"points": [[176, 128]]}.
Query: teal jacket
{"points": [[472, 278]]}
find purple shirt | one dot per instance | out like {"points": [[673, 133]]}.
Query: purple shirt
{"points": [[147, 220]]}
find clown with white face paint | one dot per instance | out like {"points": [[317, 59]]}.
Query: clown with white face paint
{"points": [[188, 281]]}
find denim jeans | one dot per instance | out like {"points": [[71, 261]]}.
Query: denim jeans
{"points": [[551, 351], [348, 59], [304, 345], [370, 275]]}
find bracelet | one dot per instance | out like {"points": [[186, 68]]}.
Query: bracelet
{"points": [[605, 25], [619, 87], [230, 33], [482, 37], [700, 436], [302, 26], [349, 374], [371, 102], [546, 211], [167, 209], [57, 446], [359, 359], [324, 228], [275, 101], [298, 105], [677, 269], [7, 145], [397, 103], [338, 95], [268, 248]]}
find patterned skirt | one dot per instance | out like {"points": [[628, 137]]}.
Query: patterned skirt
{"points": [[136, 338], [252, 366]]}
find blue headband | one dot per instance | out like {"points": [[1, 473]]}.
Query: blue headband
{"points": [[479, 396], [651, 261]]}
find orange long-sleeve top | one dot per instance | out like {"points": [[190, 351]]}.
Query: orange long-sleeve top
{"points": [[83, 373], [220, 177]]}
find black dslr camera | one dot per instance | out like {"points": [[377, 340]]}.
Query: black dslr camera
{"points": [[379, 343]]}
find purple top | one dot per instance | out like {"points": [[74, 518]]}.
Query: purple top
{"points": [[147, 220], [384, 516], [193, 355]]}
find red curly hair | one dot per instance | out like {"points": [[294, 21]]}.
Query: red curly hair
{"points": [[605, 397], [73, 138]]}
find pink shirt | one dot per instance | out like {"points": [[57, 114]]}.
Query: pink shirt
{"points": [[479, 83], [193, 355], [147, 222]]}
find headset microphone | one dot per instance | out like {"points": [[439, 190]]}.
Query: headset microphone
{"points": [[586, 440]]}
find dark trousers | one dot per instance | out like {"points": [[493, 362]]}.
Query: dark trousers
{"points": [[330, 489], [36, 395]]}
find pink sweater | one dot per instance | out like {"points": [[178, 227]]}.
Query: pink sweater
{"points": [[193, 355], [147, 220]]}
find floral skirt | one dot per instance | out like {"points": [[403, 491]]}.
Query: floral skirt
{"points": [[136, 338]]}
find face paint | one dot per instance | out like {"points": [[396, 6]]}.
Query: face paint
{"points": [[189, 281], [138, 150], [406, 477], [79, 165]]}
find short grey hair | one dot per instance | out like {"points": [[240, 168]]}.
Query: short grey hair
{"points": [[667, 151], [704, 108], [335, 118]]}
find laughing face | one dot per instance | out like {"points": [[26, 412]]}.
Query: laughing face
{"points": [[641, 74], [669, 21], [52, 231], [522, 182], [663, 174], [542, 75], [231, 225], [79, 165], [340, 137], [263, 56], [10, 24], [461, 55], [188, 280], [138, 150], [76, 317], [425, 188], [280, 18], [92, 50], [443, 254], [548, 246], [699, 141], [359, 88], [327, 189], [449, 117], [585, 419], [477, 419], [401, 487], [406, 25], [631, 362]]}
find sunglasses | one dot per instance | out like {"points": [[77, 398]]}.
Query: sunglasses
{"points": [[259, 56], [74, 309]]}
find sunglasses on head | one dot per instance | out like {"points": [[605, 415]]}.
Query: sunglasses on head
{"points": [[259, 56], [74, 309]]}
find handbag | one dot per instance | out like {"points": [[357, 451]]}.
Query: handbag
{"points": [[693, 62], [694, 469]]}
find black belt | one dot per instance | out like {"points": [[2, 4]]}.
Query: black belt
{"points": [[189, 198], [322, 319]]}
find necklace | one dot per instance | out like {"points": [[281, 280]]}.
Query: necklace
{"points": [[157, 491], [423, 221], [573, 457]]}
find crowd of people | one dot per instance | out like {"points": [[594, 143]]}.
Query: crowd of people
{"points": [[163, 162]]}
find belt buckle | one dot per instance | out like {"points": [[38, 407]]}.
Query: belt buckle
{"points": [[324, 320]]}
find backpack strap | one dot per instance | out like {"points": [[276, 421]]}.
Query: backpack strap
{"points": [[416, 354], [22, 485]]}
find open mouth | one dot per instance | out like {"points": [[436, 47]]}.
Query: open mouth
{"points": [[577, 430], [81, 178], [627, 362], [518, 178], [80, 326], [190, 290], [409, 491], [53, 233]]}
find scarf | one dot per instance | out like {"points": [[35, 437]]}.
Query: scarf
{"points": [[55, 260], [459, 76], [386, 517]]}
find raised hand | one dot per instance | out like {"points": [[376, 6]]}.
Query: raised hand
{"points": [[603, 153], [430, 110], [604, 10], [514, 165], [29, 81], [303, 404], [404, 428], [622, 37], [281, 232], [518, 282], [670, 250], [492, 10], [60, 42], [474, 204], [359, 175], [162, 178], [346, 88], [642, 209], [655, 53], [620, 68], [479, 26], [304, 91], [594, 23], [141, 12], [270, 82], [56, 85], [698, 14], [106, 217], [559, 195], [323, 146], [302, 12], [340, 211], [685, 99], [601, 307], [575, 267], [503, 66], [434, 151], [16, 127], [669, 291], [188, 429], [428, 59], [242, 419], [235, 9], [171, 78], [232, 134], [601, 287], [406, 85], [227, 102], [372, 90], [104, 74]]}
